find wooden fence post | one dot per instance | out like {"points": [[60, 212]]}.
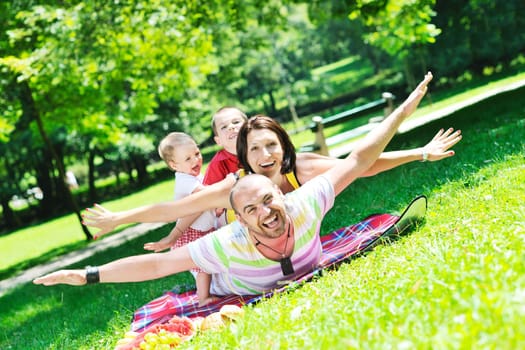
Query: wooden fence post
{"points": [[320, 140], [389, 98]]}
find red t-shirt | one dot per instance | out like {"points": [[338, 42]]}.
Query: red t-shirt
{"points": [[222, 164]]}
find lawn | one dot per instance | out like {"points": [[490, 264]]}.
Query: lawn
{"points": [[33, 245], [457, 282]]}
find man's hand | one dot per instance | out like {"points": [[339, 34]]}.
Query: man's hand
{"points": [[438, 147], [101, 218], [72, 277]]}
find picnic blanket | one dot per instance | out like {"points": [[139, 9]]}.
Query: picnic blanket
{"points": [[337, 246]]}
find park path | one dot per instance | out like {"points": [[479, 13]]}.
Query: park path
{"points": [[73, 257], [141, 229]]}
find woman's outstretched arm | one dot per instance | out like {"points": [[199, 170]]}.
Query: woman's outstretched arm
{"points": [[368, 150], [211, 197], [310, 165], [437, 149]]}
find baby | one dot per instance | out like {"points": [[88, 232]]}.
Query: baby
{"points": [[182, 155]]}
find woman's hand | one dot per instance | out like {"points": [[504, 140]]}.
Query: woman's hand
{"points": [[438, 147], [410, 104], [101, 218]]}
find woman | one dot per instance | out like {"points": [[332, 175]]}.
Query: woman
{"points": [[264, 147]]}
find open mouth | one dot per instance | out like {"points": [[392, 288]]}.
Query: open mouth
{"points": [[267, 164], [271, 222]]}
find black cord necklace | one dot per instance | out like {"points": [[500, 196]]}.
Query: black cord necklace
{"points": [[286, 263]]}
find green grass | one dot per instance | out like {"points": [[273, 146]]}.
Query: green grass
{"points": [[462, 93], [348, 74], [30, 246], [455, 283]]}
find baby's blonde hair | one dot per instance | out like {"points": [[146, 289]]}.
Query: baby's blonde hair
{"points": [[168, 145]]}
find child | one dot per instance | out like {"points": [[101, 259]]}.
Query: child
{"points": [[225, 124], [182, 155]]}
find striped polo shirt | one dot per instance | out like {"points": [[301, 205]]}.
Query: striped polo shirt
{"points": [[239, 268]]}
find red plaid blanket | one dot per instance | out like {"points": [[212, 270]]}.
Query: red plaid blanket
{"points": [[337, 246]]}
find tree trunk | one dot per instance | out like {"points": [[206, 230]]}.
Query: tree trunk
{"points": [[140, 166], [28, 105], [411, 81], [117, 177], [43, 168], [272, 103], [10, 218], [129, 170], [291, 105], [91, 176], [7, 190]]}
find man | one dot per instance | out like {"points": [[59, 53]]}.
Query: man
{"points": [[276, 237]]}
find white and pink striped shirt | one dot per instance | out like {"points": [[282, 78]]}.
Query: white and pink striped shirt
{"points": [[239, 268]]}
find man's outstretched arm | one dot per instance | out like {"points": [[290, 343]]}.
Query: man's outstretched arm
{"points": [[131, 269]]}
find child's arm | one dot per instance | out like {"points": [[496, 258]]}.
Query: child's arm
{"points": [[166, 242], [177, 231]]}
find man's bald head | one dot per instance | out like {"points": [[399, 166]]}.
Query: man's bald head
{"points": [[246, 183]]}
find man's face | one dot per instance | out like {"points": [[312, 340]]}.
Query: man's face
{"points": [[260, 207], [227, 124]]}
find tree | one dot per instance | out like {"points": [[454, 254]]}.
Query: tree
{"points": [[260, 67], [96, 69], [477, 34], [97, 75], [397, 28]]}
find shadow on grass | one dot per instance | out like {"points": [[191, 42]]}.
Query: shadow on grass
{"points": [[44, 258], [51, 254]]}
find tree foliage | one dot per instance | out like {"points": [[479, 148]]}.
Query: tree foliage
{"points": [[99, 83]]}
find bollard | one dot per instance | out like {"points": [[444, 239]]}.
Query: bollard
{"points": [[389, 99], [320, 140]]}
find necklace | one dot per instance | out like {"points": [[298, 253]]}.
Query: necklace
{"points": [[286, 263]]}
